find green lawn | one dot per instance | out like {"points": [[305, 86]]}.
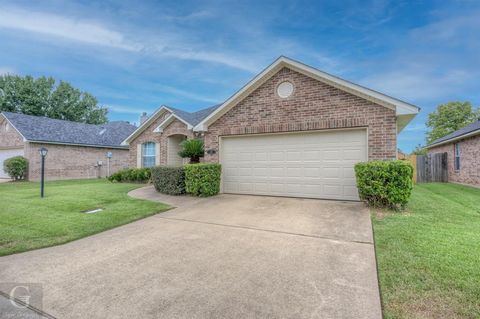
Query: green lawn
{"points": [[429, 256], [30, 222]]}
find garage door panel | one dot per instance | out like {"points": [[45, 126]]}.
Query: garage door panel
{"points": [[261, 156], [261, 171], [277, 156], [316, 165], [350, 191], [333, 190], [348, 173]]}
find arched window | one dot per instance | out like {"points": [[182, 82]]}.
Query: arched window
{"points": [[148, 154]]}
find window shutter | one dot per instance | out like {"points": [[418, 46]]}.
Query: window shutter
{"points": [[139, 155], [157, 154]]}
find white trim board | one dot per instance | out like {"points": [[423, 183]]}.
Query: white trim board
{"points": [[145, 124], [169, 120]]}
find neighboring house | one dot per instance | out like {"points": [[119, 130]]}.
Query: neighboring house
{"points": [[291, 131], [463, 149], [75, 150]]}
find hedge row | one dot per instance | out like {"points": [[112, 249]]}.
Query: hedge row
{"points": [[196, 179], [385, 183], [203, 179], [133, 175], [169, 179]]}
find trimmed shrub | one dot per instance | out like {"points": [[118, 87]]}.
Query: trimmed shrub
{"points": [[385, 184], [203, 179], [169, 179], [131, 175], [16, 167]]}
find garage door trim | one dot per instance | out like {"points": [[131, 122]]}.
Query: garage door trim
{"points": [[223, 137]]}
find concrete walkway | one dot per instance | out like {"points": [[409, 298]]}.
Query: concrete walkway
{"points": [[222, 257], [149, 193]]}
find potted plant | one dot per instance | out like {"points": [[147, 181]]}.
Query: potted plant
{"points": [[192, 149]]}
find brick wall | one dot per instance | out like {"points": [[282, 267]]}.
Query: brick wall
{"points": [[9, 137], [176, 127], [469, 172], [313, 106], [73, 162]]}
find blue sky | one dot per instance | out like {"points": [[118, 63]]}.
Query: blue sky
{"points": [[137, 55]]}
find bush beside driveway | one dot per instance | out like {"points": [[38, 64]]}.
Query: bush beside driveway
{"points": [[29, 222]]}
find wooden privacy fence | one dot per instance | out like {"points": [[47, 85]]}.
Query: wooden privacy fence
{"points": [[413, 160], [432, 168]]}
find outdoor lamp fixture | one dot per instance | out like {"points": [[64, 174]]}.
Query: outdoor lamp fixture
{"points": [[43, 153]]}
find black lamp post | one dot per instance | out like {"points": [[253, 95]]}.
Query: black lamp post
{"points": [[43, 152]]}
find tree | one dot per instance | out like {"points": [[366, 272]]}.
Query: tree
{"points": [[193, 149], [419, 150], [450, 117], [43, 97]]}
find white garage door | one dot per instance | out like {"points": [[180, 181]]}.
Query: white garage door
{"points": [[312, 165], [4, 154]]}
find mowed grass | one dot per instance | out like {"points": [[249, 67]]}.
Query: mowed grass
{"points": [[30, 222], [429, 256]]}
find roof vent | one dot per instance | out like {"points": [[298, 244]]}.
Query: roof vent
{"points": [[102, 131], [285, 89]]}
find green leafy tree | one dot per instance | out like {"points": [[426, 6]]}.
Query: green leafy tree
{"points": [[43, 97], [450, 117], [419, 150], [193, 149]]}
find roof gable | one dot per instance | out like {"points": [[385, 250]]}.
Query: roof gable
{"points": [[404, 111], [172, 117], [189, 118]]}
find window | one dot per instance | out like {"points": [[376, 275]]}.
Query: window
{"points": [[148, 154], [457, 156]]}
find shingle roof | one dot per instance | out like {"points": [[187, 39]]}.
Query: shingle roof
{"points": [[458, 133], [38, 128], [194, 117]]}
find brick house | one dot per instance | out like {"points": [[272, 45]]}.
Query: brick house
{"points": [[463, 149], [291, 131], [75, 150]]}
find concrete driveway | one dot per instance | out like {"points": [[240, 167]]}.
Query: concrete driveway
{"points": [[224, 257]]}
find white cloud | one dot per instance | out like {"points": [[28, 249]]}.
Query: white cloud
{"points": [[6, 70], [126, 109], [416, 83], [452, 28], [205, 56], [415, 128], [88, 32], [194, 16], [64, 27], [426, 67], [186, 94]]}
